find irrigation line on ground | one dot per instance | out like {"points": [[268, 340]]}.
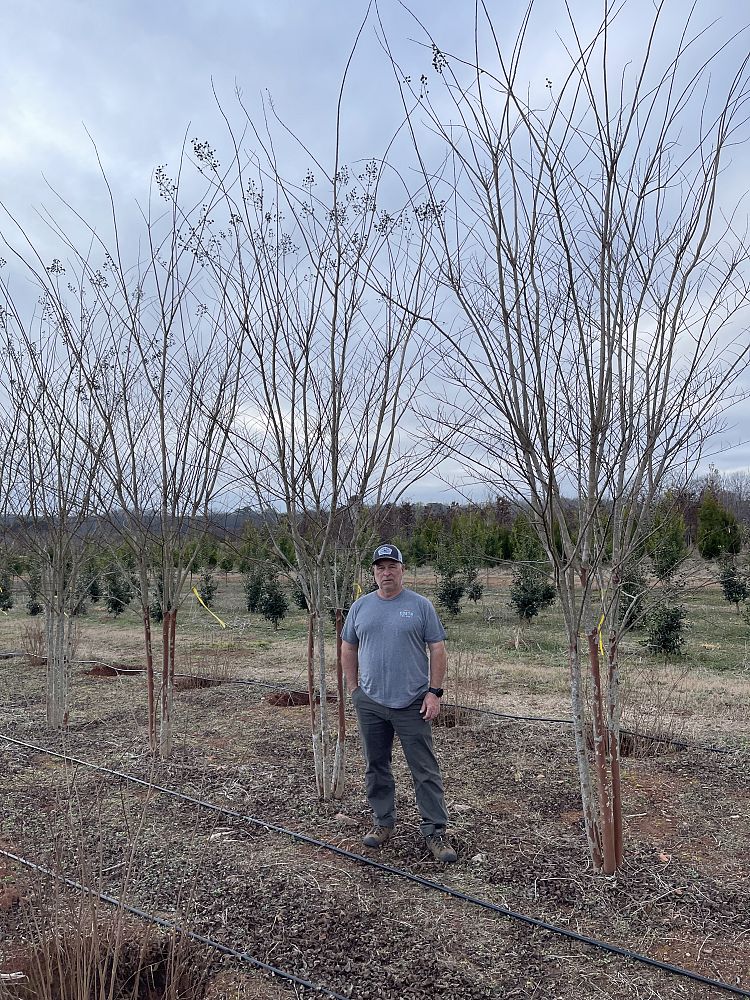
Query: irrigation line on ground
{"points": [[682, 744], [170, 925], [401, 873]]}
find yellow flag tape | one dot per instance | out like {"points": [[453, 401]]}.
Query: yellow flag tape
{"points": [[601, 643], [201, 601], [357, 591]]}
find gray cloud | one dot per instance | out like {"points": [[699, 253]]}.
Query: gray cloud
{"points": [[138, 76]]}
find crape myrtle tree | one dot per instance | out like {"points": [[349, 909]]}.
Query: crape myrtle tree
{"points": [[50, 483], [601, 299], [153, 353], [171, 391], [326, 279]]}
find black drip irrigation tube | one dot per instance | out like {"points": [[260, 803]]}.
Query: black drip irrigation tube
{"points": [[170, 925], [504, 911], [682, 744]]}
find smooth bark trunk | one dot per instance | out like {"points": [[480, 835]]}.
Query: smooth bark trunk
{"points": [[613, 722], [149, 679], [58, 667], [323, 713], [338, 776], [167, 683], [584, 771], [601, 759], [311, 699]]}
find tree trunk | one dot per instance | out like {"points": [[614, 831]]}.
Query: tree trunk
{"points": [[584, 771], [311, 699], [602, 760], [323, 714], [148, 643], [59, 628], [613, 724], [58, 667], [338, 775], [149, 678], [167, 678]]}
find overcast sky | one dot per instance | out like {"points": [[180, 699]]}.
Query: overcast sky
{"points": [[138, 75]]}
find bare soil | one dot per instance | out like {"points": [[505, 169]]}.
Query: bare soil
{"points": [[683, 895]]}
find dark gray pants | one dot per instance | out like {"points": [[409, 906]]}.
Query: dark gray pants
{"points": [[377, 727]]}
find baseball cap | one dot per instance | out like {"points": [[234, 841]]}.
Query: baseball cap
{"points": [[387, 552]]}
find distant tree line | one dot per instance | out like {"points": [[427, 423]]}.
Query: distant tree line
{"points": [[711, 518]]}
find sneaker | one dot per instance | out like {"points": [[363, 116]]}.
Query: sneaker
{"points": [[440, 848], [378, 836]]}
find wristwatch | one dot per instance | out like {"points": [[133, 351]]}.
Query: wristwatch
{"points": [[438, 692]]}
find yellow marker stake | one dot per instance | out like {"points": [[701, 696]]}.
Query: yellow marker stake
{"points": [[201, 601]]}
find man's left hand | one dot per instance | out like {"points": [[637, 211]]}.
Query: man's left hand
{"points": [[430, 707]]}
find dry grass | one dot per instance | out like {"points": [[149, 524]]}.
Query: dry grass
{"points": [[711, 694], [82, 954], [655, 702], [74, 945], [33, 641], [514, 801]]}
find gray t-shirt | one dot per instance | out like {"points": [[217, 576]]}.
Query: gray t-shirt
{"points": [[391, 634]]}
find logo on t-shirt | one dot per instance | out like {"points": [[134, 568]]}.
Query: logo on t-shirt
{"points": [[406, 614]]}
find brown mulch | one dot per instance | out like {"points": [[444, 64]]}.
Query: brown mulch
{"points": [[682, 895]]}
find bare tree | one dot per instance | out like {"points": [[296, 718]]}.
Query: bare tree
{"points": [[152, 356], [50, 482], [325, 282], [601, 310]]}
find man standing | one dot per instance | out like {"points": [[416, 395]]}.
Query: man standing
{"points": [[396, 690]]}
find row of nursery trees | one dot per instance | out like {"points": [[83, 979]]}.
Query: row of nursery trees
{"points": [[457, 541], [551, 292]]}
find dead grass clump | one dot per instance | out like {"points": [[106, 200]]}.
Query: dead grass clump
{"points": [[34, 643], [293, 699], [190, 682], [107, 962], [655, 707], [631, 744], [205, 668], [467, 690], [452, 716]]}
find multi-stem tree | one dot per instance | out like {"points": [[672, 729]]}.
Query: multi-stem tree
{"points": [[51, 483], [601, 299], [151, 352], [325, 281]]}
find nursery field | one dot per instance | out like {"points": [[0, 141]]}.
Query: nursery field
{"points": [[234, 846]]}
